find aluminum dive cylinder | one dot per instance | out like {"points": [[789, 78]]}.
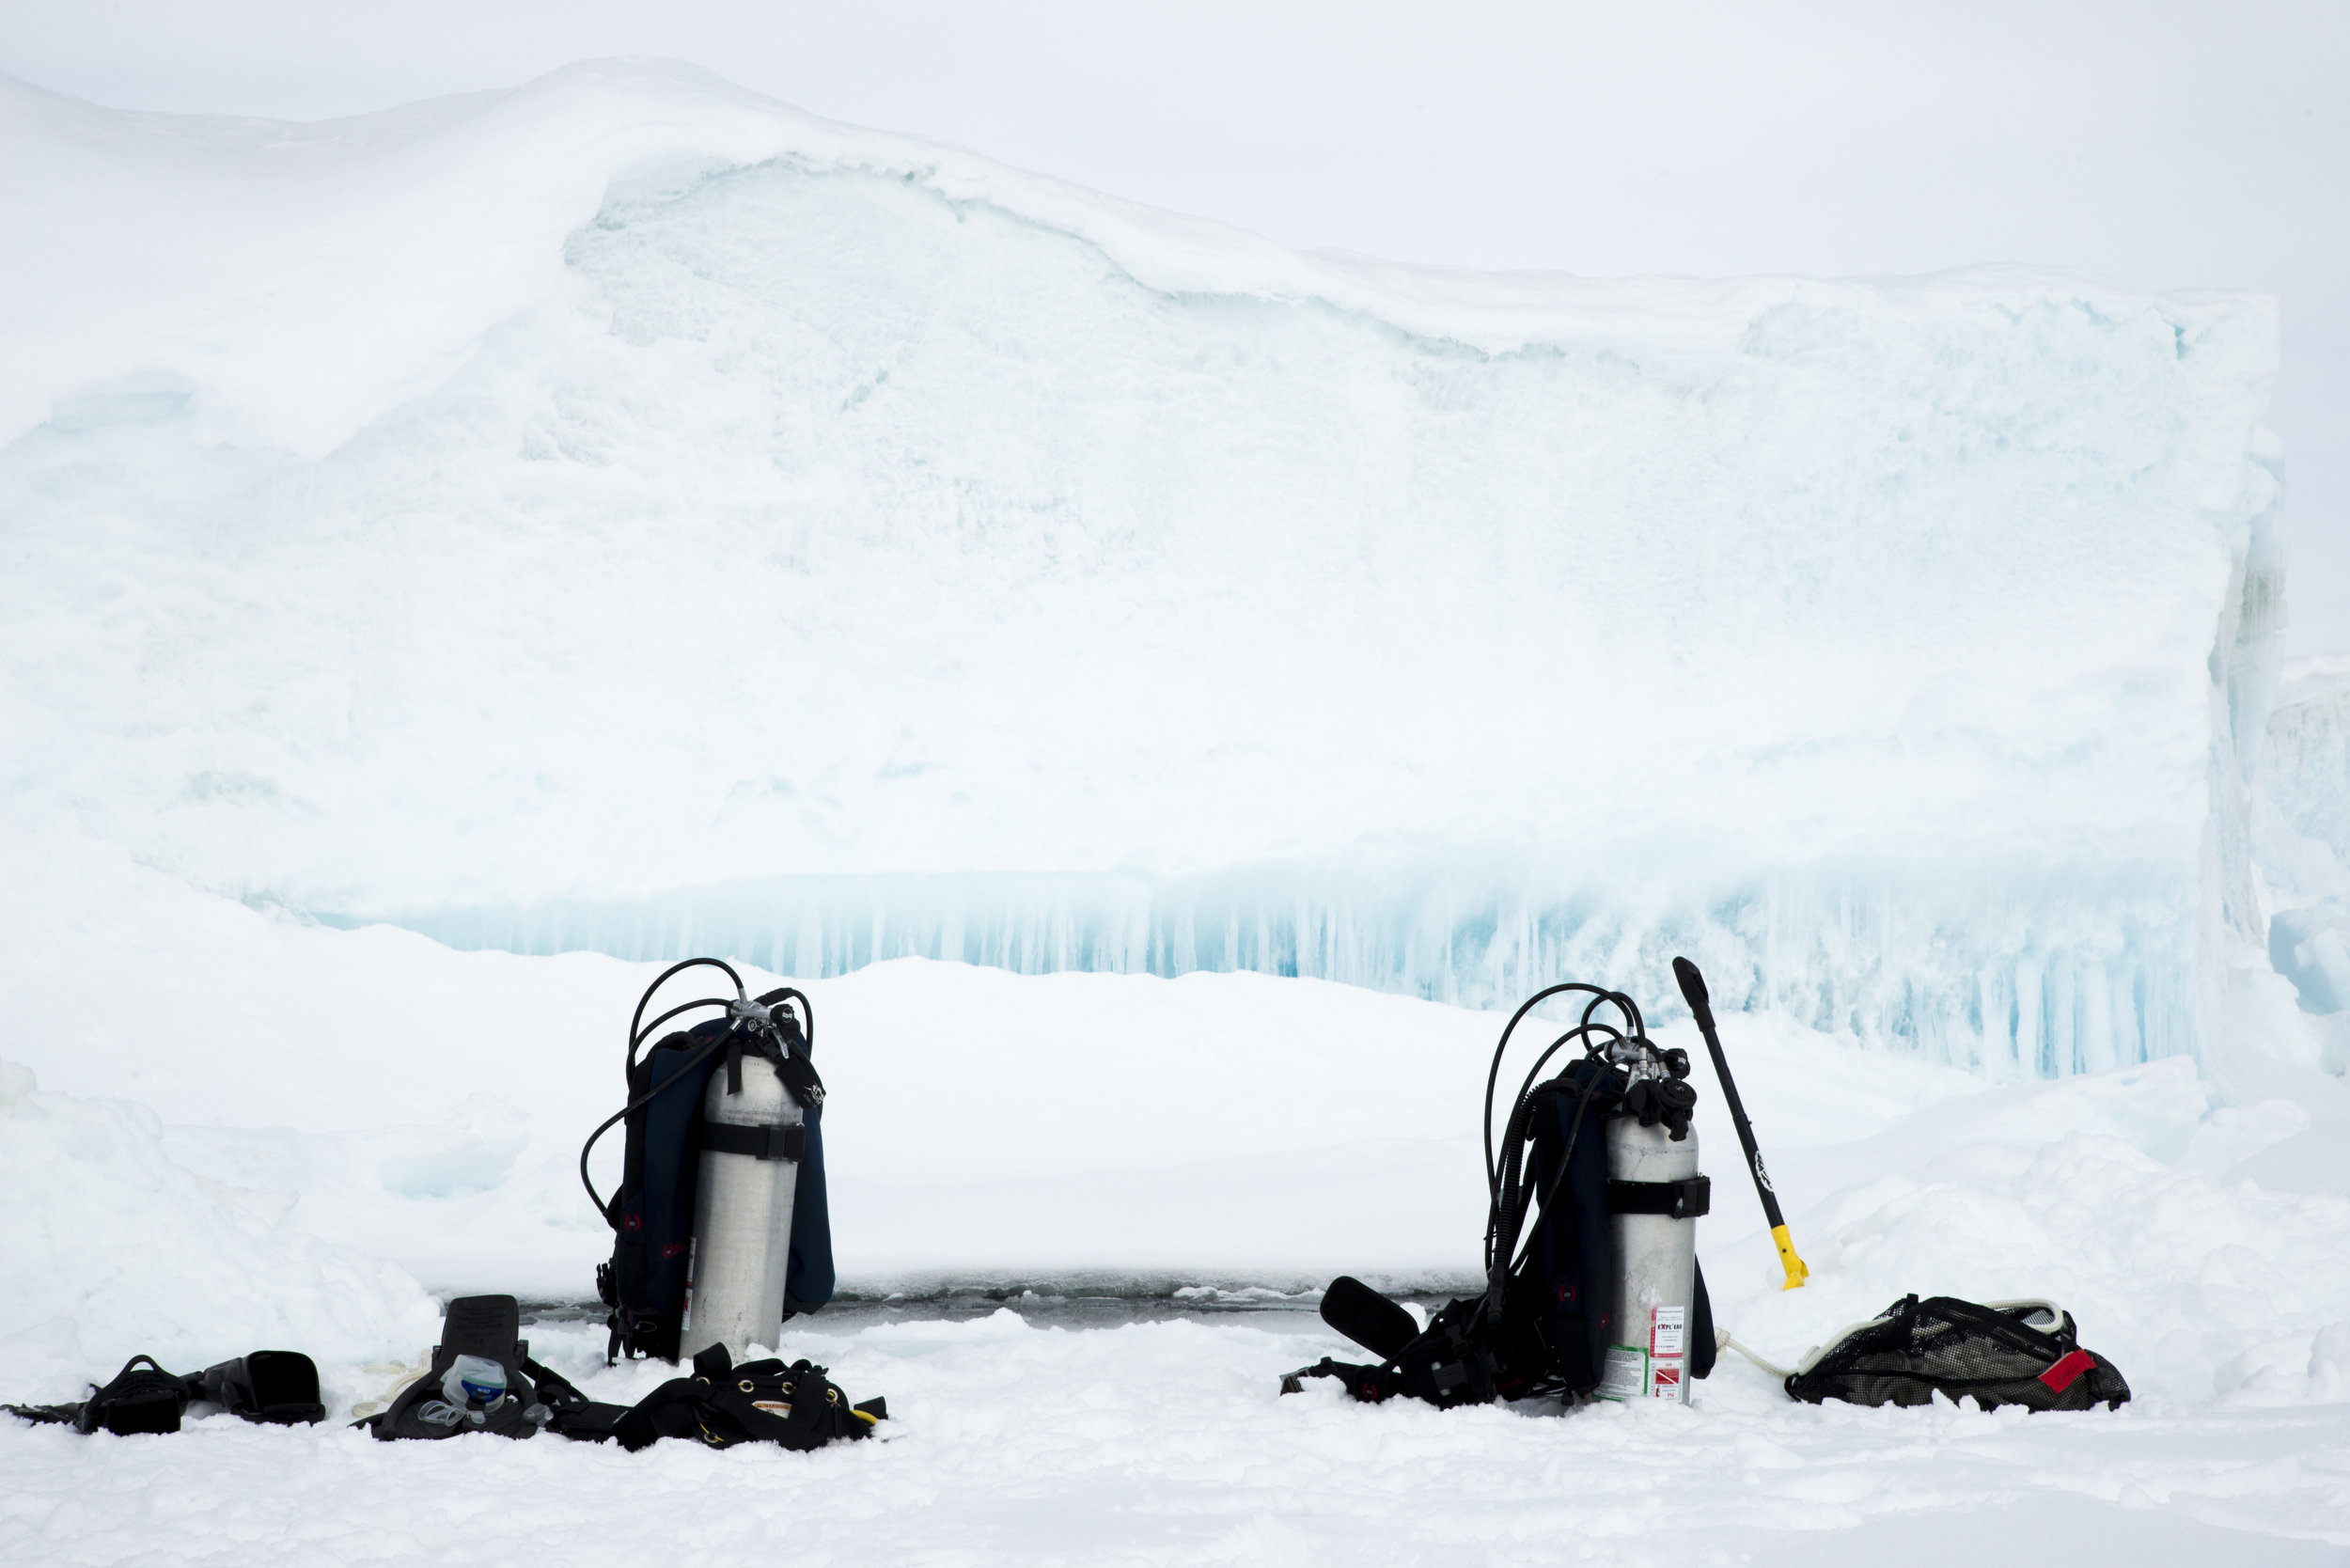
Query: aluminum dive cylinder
{"points": [[1656, 1260], [734, 1289]]}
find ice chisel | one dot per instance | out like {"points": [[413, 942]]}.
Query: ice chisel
{"points": [[1693, 992]]}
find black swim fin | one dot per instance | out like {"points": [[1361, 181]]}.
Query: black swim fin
{"points": [[149, 1399], [278, 1387]]}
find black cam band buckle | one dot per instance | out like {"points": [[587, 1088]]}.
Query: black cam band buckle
{"points": [[1683, 1200], [761, 1143]]}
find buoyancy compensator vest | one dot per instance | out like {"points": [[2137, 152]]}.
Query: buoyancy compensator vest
{"points": [[1591, 1280], [723, 1403], [721, 1229]]}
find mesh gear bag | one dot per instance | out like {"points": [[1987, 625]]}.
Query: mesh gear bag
{"points": [[2025, 1353]]}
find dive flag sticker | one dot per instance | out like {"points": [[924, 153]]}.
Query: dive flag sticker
{"points": [[1666, 1378], [1668, 1331]]}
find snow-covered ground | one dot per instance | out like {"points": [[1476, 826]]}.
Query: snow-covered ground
{"points": [[1165, 1444], [266, 1132]]}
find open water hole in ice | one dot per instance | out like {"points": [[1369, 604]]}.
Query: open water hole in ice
{"points": [[1044, 1304]]}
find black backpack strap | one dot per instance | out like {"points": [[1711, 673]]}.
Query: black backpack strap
{"points": [[673, 1410], [573, 1414], [553, 1390]]}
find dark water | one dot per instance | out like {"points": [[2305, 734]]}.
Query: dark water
{"points": [[1043, 1305]]}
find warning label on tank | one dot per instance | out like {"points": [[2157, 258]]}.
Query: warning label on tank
{"points": [[1665, 1379], [1626, 1375], [1666, 1335]]}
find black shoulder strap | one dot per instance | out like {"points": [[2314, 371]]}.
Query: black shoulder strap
{"points": [[1368, 1384]]}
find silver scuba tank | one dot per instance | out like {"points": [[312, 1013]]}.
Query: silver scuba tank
{"points": [[1652, 1228], [1656, 1264], [752, 1132]]}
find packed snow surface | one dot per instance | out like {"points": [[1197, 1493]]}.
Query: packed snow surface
{"points": [[262, 1133], [624, 513]]}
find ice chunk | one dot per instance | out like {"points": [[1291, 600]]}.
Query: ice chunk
{"points": [[2305, 777], [2301, 835]]}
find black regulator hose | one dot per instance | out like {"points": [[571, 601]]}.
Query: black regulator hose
{"points": [[638, 1030], [1508, 1190]]}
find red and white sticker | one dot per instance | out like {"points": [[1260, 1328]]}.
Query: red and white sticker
{"points": [[1668, 1332], [1665, 1379]]}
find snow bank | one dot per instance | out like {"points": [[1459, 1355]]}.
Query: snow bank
{"points": [[114, 1247], [624, 513]]}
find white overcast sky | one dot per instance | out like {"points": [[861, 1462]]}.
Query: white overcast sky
{"points": [[2164, 145]]}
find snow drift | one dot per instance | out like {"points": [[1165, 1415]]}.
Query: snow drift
{"points": [[624, 513]]}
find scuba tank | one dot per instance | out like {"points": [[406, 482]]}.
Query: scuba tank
{"points": [[753, 1136], [1654, 1195], [1592, 1286], [1605, 1299], [720, 1217]]}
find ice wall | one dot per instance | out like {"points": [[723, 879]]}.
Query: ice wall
{"points": [[624, 513], [2051, 979]]}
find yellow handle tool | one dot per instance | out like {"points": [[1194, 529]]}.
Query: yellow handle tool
{"points": [[1796, 1272], [1693, 992]]}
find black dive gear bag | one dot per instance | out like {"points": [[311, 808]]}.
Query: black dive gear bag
{"points": [[651, 1212], [278, 1387], [1542, 1327], [2025, 1352]]}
